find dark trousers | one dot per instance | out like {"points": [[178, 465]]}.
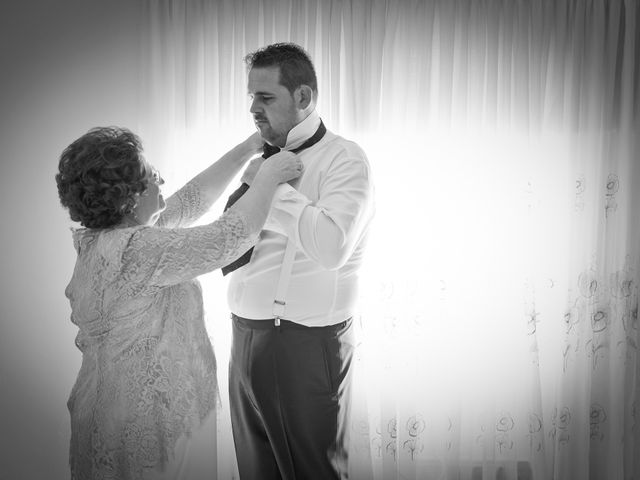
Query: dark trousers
{"points": [[289, 388]]}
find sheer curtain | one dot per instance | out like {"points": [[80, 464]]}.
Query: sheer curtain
{"points": [[498, 321]]}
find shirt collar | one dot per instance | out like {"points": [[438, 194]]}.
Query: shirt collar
{"points": [[302, 131]]}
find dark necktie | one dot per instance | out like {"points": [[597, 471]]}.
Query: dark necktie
{"points": [[268, 150]]}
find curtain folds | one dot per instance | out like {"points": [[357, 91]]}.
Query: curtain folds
{"points": [[498, 320]]}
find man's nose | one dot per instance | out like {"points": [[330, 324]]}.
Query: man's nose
{"points": [[255, 107]]}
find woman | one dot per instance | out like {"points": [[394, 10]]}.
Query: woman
{"points": [[146, 390]]}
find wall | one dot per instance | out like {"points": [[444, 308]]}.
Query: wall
{"points": [[65, 67]]}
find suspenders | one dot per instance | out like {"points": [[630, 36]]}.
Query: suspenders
{"points": [[279, 302]]}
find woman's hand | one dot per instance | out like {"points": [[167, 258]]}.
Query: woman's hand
{"points": [[281, 167], [255, 203], [252, 145]]}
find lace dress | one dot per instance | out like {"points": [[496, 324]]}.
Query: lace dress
{"points": [[148, 373]]}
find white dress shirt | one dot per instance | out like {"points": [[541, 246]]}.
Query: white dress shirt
{"points": [[327, 215]]}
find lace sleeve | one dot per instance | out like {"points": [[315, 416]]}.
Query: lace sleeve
{"points": [[157, 257], [184, 207]]}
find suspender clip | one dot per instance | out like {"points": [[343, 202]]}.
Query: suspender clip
{"points": [[278, 311]]}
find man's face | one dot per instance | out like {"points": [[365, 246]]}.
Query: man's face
{"points": [[272, 106]]}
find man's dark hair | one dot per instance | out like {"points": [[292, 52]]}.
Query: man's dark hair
{"points": [[295, 64]]}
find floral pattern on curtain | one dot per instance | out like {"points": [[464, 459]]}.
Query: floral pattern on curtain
{"points": [[498, 319]]}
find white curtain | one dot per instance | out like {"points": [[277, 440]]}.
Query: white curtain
{"points": [[498, 320]]}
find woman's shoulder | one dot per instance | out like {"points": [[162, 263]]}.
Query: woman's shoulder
{"points": [[108, 243]]}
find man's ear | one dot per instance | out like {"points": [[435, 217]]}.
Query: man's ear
{"points": [[303, 96]]}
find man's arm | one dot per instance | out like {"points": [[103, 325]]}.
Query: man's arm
{"points": [[328, 231]]}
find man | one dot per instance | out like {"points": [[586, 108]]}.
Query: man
{"points": [[292, 304]]}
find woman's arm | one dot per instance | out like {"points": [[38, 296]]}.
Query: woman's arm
{"points": [[214, 179], [157, 257], [255, 203], [198, 195]]}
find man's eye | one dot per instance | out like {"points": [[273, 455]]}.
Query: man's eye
{"points": [[262, 98]]}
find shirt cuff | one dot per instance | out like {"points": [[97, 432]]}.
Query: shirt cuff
{"points": [[286, 209]]}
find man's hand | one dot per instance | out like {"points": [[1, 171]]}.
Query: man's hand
{"points": [[251, 170]]}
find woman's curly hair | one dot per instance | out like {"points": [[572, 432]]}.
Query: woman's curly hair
{"points": [[100, 175]]}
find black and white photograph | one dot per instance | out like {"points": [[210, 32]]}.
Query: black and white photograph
{"points": [[320, 240]]}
